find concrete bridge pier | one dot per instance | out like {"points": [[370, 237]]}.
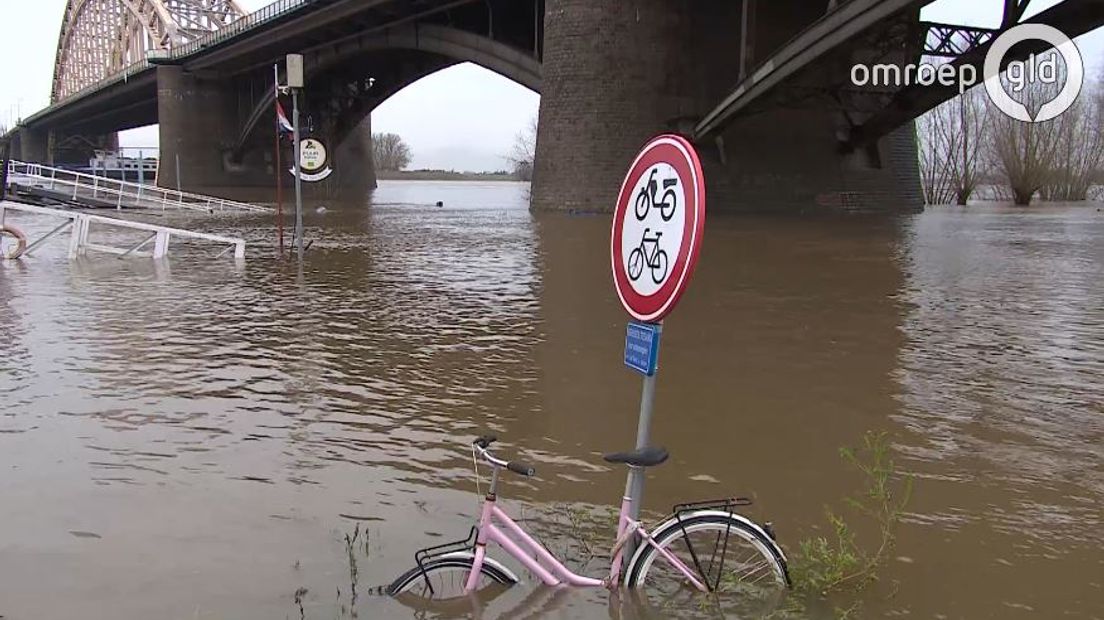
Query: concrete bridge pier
{"points": [[616, 73], [200, 121], [33, 145], [193, 124], [354, 170]]}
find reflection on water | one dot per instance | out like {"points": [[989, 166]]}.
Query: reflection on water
{"points": [[196, 437]]}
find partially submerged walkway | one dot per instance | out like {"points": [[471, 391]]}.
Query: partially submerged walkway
{"points": [[49, 186]]}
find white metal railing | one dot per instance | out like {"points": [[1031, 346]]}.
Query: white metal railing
{"points": [[80, 224], [124, 194]]}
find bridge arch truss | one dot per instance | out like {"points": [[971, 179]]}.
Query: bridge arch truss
{"points": [[100, 38]]}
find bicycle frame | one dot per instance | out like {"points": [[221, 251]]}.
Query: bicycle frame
{"points": [[539, 561]]}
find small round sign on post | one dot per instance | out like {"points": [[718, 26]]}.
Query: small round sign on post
{"points": [[313, 160], [657, 227], [312, 155]]}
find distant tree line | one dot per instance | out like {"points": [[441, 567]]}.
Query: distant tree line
{"points": [[391, 153], [968, 143]]}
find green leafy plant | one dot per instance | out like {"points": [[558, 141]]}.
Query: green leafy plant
{"points": [[830, 572], [835, 566]]}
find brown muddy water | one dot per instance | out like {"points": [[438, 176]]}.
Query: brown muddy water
{"points": [[193, 439]]}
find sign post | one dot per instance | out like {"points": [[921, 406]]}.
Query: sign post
{"points": [[295, 83], [654, 245]]}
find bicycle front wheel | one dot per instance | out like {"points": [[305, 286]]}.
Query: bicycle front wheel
{"points": [[723, 551], [443, 579]]}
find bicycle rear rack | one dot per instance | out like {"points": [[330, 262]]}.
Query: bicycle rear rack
{"points": [[425, 555], [727, 504]]}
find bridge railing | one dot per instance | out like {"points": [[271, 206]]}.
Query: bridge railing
{"points": [[272, 11], [103, 191]]}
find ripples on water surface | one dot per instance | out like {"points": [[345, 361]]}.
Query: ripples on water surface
{"points": [[193, 438]]}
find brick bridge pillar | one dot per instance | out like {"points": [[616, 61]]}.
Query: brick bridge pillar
{"points": [[199, 124], [615, 73]]}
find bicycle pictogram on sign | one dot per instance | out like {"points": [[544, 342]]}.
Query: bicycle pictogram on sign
{"points": [[655, 258]]}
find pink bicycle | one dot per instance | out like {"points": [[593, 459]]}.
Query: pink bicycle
{"points": [[700, 547]]}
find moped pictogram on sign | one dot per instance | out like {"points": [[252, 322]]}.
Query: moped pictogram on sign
{"points": [[655, 241]]}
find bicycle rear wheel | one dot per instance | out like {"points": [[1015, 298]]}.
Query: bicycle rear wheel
{"points": [[443, 578], [731, 557]]}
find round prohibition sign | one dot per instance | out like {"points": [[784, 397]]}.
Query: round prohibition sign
{"points": [[657, 227]]}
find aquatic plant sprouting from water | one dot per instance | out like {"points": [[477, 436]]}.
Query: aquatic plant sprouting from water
{"points": [[829, 569], [357, 542], [354, 572], [839, 565]]}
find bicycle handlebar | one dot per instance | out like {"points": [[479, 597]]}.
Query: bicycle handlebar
{"points": [[521, 468], [517, 467]]}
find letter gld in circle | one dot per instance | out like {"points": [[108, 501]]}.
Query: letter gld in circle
{"points": [[1075, 71]]}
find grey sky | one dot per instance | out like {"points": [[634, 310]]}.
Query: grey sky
{"points": [[464, 117]]}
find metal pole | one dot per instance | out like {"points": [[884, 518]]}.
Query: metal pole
{"points": [[5, 155], [643, 433], [279, 164], [178, 174], [141, 168], [298, 180]]}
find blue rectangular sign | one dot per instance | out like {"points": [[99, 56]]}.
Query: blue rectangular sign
{"points": [[642, 347]]}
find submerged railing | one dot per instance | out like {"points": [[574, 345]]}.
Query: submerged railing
{"points": [[80, 224]]}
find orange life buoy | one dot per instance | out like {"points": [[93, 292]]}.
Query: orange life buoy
{"points": [[20, 238]]}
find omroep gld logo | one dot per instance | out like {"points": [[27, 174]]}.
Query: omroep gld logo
{"points": [[1021, 73], [1036, 69]]}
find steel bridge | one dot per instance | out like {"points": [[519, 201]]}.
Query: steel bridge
{"points": [[762, 86]]}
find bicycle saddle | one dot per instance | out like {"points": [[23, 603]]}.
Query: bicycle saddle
{"points": [[641, 457]]}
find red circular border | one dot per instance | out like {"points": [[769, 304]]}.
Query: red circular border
{"points": [[652, 308]]}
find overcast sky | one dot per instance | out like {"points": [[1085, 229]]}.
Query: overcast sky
{"points": [[464, 117]]}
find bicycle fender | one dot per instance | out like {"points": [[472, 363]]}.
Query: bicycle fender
{"points": [[470, 555], [673, 521]]}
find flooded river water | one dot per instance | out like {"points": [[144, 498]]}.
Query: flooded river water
{"points": [[193, 439]]}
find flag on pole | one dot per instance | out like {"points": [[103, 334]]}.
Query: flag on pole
{"points": [[281, 120]]}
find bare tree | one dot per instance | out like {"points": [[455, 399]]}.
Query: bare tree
{"points": [[1025, 152], [1096, 190], [934, 178], [524, 152], [389, 152], [1079, 151], [951, 139]]}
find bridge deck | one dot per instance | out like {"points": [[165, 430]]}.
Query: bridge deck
{"points": [[831, 32]]}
